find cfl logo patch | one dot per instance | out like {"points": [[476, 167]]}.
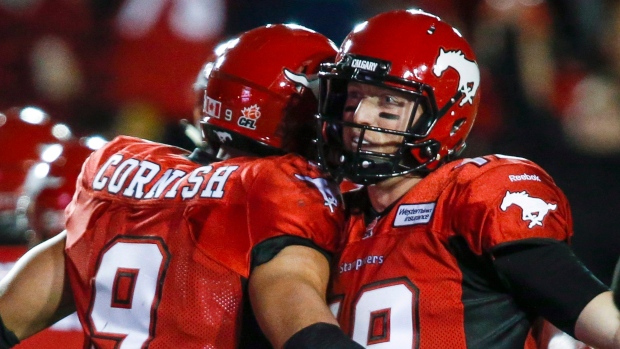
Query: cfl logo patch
{"points": [[249, 117]]}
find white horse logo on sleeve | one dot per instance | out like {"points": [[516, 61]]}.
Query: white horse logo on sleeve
{"points": [[469, 73], [323, 186], [533, 209]]}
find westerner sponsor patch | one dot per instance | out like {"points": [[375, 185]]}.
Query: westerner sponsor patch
{"points": [[414, 214]]}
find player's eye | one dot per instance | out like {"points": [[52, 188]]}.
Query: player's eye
{"points": [[390, 100]]}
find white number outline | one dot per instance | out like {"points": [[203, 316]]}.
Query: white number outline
{"points": [[152, 318], [381, 286]]}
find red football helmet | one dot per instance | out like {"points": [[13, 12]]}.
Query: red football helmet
{"points": [[201, 81], [431, 61], [50, 184], [192, 131], [259, 96], [24, 134]]}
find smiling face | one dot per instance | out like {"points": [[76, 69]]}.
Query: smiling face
{"points": [[378, 107]]}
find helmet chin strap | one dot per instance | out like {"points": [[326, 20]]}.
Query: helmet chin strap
{"points": [[380, 167], [372, 169]]}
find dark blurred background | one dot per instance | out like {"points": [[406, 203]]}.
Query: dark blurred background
{"points": [[550, 84]]}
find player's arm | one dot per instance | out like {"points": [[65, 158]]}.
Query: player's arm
{"points": [[550, 337], [288, 298], [546, 275], [34, 294], [600, 318], [599, 323]]}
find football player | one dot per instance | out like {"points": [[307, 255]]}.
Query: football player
{"points": [[25, 132], [442, 252], [49, 187], [165, 248]]}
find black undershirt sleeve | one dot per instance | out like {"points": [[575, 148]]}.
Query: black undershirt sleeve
{"points": [[266, 250], [321, 336], [546, 278], [262, 253]]}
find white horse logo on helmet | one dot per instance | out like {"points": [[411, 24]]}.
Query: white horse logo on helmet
{"points": [[533, 209], [303, 80], [469, 74]]}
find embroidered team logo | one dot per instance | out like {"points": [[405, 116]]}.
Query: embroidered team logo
{"points": [[469, 74], [250, 115], [211, 107], [330, 199], [533, 209]]}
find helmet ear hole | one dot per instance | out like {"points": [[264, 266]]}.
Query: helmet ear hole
{"points": [[457, 126]]}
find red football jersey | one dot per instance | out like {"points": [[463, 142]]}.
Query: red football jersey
{"points": [[415, 277], [159, 247]]}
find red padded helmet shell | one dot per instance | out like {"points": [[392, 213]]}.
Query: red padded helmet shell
{"points": [[422, 48], [261, 77]]}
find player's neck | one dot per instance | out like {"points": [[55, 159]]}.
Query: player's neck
{"points": [[385, 193], [226, 153]]}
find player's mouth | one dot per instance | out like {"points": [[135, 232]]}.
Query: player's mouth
{"points": [[355, 142]]}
